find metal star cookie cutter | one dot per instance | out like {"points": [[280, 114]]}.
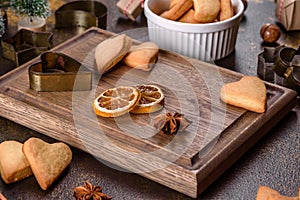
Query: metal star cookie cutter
{"points": [[25, 45], [81, 13], [58, 72], [265, 64]]}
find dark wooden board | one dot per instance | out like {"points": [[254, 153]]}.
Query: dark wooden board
{"points": [[193, 158]]}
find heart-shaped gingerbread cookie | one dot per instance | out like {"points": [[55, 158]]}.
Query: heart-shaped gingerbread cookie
{"points": [[47, 161], [13, 164], [249, 93], [142, 56], [110, 51]]}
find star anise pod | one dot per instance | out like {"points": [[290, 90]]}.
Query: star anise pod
{"points": [[89, 192], [171, 124]]}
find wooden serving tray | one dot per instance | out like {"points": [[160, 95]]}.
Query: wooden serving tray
{"points": [[188, 161]]}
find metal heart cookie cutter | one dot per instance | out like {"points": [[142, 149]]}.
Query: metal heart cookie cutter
{"points": [[81, 13], [58, 72]]}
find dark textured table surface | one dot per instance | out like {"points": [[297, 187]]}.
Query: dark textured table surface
{"points": [[274, 161]]}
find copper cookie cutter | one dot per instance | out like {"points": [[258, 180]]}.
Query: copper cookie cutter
{"points": [[26, 45], [58, 72], [287, 65], [81, 13], [280, 65], [287, 58]]}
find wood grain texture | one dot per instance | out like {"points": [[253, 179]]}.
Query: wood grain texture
{"points": [[187, 162]]}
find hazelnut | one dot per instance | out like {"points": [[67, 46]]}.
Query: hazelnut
{"points": [[270, 33]]}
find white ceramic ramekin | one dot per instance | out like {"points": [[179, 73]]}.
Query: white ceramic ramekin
{"points": [[211, 41]]}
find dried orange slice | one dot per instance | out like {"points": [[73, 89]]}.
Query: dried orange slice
{"points": [[152, 99], [116, 101]]}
